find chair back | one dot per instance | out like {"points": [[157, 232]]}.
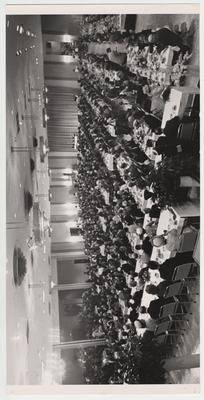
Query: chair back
{"points": [[167, 309], [162, 327], [173, 290], [169, 339], [161, 339], [196, 252], [186, 131], [188, 239], [182, 272]]}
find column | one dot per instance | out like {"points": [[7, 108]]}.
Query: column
{"points": [[70, 286], [75, 344], [68, 255]]}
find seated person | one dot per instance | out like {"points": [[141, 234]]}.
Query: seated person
{"points": [[155, 307], [140, 39], [149, 324], [166, 269], [133, 315], [158, 290], [163, 146], [148, 194], [153, 122], [112, 66], [115, 57], [147, 337], [118, 36], [128, 269], [146, 246], [154, 211], [135, 152], [135, 300], [170, 144], [165, 37], [151, 229], [124, 296], [159, 241], [128, 220], [134, 211], [120, 286]]}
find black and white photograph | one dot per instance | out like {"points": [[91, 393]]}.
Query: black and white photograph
{"points": [[103, 198]]}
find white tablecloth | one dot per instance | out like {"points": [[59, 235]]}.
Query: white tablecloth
{"points": [[103, 224], [108, 159], [106, 196], [168, 220], [180, 98]]}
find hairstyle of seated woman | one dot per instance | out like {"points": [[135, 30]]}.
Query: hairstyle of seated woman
{"points": [[151, 289], [139, 324], [159, 241], [133, 315], [150, 143], [142, 322], [153, 265], [143, 310]]}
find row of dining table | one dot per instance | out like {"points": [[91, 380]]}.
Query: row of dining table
{"points": [[170, 218]]}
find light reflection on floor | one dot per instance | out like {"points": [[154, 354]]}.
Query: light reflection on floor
{"points": [[28, 320]]}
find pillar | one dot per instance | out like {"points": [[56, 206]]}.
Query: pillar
{"points": [[76, 344], [70, 286], [69, 255]]}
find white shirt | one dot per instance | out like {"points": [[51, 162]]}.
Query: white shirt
{"points": [[128, 138]]}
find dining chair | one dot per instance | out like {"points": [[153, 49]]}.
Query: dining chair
{"points": [[171, 326], [187, 132], [188, 239], [175, 289], [175, 308], [186, 272], [168, 339]]}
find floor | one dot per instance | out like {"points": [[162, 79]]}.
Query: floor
{"points": [[28, 318]]}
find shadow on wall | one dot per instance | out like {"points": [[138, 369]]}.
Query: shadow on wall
{"points": [[61, 24], [70, 306], [74, 371], [69, 271], [61, 71]]}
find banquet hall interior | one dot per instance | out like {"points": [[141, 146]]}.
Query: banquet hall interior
{"points": [[103, 199]]}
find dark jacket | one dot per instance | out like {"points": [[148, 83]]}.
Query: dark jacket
{"points": [[147, 246], [155, 306], [152, 121], [154, 211], [167, 268]]}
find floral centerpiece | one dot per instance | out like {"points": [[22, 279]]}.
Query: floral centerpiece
{"points": [[157, 66]]}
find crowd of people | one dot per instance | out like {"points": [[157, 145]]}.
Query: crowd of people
{"points": [[129, 169]]}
